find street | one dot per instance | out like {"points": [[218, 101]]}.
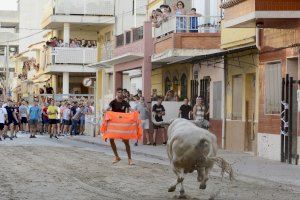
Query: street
{"points": [[70, 169]]}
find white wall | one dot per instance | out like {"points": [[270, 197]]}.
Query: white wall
{"points": [[201, 4], [136, 84], [31, 12], [268, 146], [125, 20], [216, 74]]}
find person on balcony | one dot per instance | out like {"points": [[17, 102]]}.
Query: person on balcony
{"points": [[60, 43], [166, 10], [153, 18], [194, 20], [89, 44], [160, 17], [72, 44], [179, 11]]}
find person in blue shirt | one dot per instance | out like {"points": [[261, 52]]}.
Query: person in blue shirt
{"points": [[194, 25], [34, 115]]}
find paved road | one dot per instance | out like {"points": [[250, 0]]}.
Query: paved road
{"points": [[66, 169]]}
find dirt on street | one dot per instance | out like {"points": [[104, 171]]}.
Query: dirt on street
{"points": [[43, 172]]}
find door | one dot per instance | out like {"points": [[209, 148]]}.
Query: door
{"points": [[250, 129]]}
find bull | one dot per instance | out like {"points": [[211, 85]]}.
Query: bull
{"points": [[191, 148]]}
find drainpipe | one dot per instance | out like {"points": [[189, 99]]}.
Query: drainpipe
{"points": [[257, 39], [224, 104]]}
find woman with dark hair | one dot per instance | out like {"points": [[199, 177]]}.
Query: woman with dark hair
{"points": [[179, 11]]}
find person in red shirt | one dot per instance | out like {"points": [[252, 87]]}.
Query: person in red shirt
{"points": [[45, 119]]}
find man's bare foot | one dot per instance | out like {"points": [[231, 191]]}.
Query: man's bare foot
{"points": [[117, 159], [130, 162]]}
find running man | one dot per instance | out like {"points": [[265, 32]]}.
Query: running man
{"points": [[3, 118], [24, 115], [52, 114], [34, 115], [120, 105]]}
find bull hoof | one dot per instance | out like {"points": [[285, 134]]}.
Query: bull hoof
{"points": [[202, 187], [172, 189]]}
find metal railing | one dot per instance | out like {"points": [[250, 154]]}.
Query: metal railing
{"points": [[189, 24], [69, 55], [79, 7]]}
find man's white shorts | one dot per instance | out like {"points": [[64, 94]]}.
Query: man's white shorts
{"points": [[145, 124]]}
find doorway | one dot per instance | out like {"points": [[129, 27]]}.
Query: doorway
{"points": [[250, 129]]}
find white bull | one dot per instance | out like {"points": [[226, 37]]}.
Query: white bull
{"points": [[191, 148]]}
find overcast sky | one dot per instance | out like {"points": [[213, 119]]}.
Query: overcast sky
{"points": [[8, 5]]}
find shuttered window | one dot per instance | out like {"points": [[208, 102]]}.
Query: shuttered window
{"points": [[272, 88], [217, 99]]}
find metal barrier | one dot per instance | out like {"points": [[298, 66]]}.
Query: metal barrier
{"points": [[58, 97]]}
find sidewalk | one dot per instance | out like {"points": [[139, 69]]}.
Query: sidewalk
{"points": [[244, 164]]}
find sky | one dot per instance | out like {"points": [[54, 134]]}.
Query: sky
{"points": [[8, 5]]}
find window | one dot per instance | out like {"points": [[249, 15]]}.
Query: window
{"points": [[183, 86], [237, 94], [128, 37], [138, 33], [120, 40], [272, 88], [217, 99]]}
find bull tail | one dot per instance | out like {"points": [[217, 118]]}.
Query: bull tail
{"points": [[225, 167]]}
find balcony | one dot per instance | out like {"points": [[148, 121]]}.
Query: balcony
{"points": [[79, 12], [130, 46], [182, 37], [66, 59], [261, 13]]}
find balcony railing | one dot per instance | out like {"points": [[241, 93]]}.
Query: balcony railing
{"points": [[79, 7], [68, 55], [107, 51], [186, 24]]}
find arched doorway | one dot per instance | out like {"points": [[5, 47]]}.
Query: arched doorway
{"points": [[183, 86]]}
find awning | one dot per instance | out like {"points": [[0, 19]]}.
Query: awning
{"points": [[172, 56], [196, 59], [128, 57]]}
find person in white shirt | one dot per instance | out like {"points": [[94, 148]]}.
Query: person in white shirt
{"points": [[3, 118], [66, 118]]}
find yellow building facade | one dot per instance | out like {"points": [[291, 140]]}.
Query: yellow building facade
{"points": [[242, 86]]}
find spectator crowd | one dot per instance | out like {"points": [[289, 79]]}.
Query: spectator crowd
{"points": [[183, 18], [73, 43]]}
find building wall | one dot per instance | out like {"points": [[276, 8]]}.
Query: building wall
{"points": [[33, 10], [244, 64], [237, 37], [158, 77], [216, 73], [274, 43], [125, 18]]}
